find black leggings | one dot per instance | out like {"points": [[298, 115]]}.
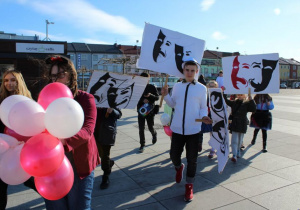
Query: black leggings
{"points": [[264, 134]]}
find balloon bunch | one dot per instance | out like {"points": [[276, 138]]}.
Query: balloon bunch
{"points": [[40, 125], [165, 121]]}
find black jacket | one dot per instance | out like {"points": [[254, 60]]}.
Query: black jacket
{"points": [[106, 128], [152, 98], [239, 111]]}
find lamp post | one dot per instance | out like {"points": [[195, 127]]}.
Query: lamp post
{"points": [[47, 38]]}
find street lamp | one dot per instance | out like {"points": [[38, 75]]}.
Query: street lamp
{"points": [[47, 38]]}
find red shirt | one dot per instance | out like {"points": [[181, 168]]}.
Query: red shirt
{"points": [[83, 144]]}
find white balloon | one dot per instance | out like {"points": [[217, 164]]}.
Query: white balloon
{"points": [[64, 118], [27, 118], [4, 146], [11, 141], [6, 106], [11, 171], [165, 119]]}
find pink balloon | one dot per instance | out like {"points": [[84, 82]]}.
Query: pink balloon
{"points": [[12, 133], [4, 146], [52, 92], [42, 155], [58, 184], [11, 171], [167, 130]]}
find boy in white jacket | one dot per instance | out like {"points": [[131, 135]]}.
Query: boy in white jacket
{"points": [[189, 101]]}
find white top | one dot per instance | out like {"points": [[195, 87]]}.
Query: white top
{"points": [[196, 107], [220, 82]]}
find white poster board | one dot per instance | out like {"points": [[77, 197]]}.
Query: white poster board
{"points": [[115, 90], [219, 139], [164, 50], [260, 73]]}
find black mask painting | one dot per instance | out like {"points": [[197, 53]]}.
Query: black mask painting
{"points": [[119, 96]]}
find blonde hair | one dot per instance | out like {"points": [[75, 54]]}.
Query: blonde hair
{"points": [[212, 84], [21, 88]]}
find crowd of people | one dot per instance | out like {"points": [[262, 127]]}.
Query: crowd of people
{"points": [[189, 101]]}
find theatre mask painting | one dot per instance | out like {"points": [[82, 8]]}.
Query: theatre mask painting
{"points": [[164, 50], [116, 91], [219, 138], [260, 73]]}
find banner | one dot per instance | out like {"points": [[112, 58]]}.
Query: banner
{"points": [[165, 51], [260, 73], [116, 91], [219, 139]]}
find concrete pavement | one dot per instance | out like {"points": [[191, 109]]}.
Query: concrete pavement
{"points": [[146, 180]]}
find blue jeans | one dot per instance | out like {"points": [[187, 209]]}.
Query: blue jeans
{"points": [[79, 197]]}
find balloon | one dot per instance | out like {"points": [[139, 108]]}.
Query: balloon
{"points": [[12, 133], [64, 118], [11, 171], [4, 146], [27, 118], [7, 104], [58, 184], [167, 130], [9, 139], [42, 155], [165, 119], [52, 92]]}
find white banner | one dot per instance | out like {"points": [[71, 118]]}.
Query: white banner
{"points": [[39, 48], [219, 139], [115, 90], [165, 51], [260, 73]]}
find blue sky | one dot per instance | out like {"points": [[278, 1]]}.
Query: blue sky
{"points": [[247, 26]]}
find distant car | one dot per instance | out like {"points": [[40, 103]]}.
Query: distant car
{"points": [[283, 86]]}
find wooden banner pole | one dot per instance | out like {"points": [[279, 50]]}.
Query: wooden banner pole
{"points": [[162, 97]]}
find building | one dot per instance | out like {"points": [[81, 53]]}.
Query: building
{"points": [[89, 57], [25, 55], [289, 72], [18, 37], [211, 62]]}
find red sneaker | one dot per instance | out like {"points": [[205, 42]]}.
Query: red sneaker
{"points": [[179, 173], [188, 192]]}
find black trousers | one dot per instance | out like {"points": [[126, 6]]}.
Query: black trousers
{"points": [[3, 191], [150, 122], [106, 162], [191, 146]]}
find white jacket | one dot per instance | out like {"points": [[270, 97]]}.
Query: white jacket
{"points": [[190, 103]]}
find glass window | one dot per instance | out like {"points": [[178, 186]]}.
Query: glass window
{"points": [[95, 67], [104, 56], [95, 57], [115, 68], [105, 67], [84, 57]]}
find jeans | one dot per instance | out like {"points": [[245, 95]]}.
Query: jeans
{"points": [[79, 197], [236, 142], [150, 122], [191, 145]]}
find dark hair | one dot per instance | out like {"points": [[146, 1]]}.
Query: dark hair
{"points": [[145, 74], [191, 63], [264, 97], [67, 65]]}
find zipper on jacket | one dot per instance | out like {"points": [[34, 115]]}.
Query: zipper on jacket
{"points": [[184, 107]]}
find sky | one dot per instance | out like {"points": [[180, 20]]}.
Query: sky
{"points": [[245, 26]]}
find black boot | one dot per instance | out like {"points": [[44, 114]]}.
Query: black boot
{"points": [[264, 141], [105, 182], [264, 150], [154, 138]]}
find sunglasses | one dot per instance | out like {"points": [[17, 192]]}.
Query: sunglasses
{"points": [[59, 75]]}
